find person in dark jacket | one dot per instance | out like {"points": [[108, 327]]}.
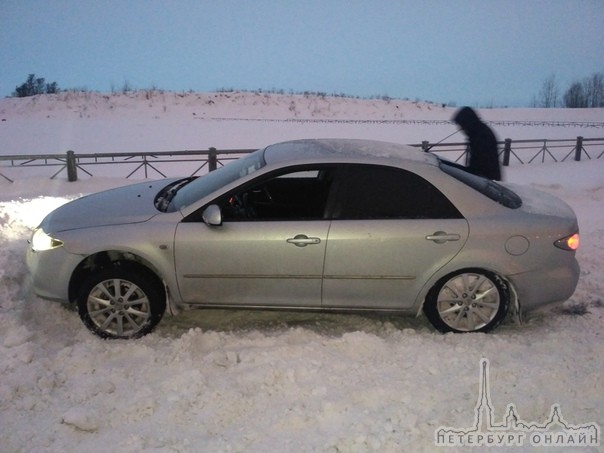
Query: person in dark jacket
{"points": [[484, 157]]}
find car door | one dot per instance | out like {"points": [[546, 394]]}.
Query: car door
{"points": [[391, 231], [270, 248]]}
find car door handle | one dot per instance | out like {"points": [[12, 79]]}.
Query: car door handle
{"points": [[440, 237], [301, 240]]}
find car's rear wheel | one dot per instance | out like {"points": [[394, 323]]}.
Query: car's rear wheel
{"points": [[121, 302], [472, 300]]}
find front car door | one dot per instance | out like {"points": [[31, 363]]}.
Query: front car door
{"points": [[269, 249], [391, 231]]}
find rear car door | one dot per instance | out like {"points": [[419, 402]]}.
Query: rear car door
{"points": [[269, 249], [391, 231]]}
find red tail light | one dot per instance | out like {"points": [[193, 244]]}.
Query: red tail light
{"points": [[569, 242]]}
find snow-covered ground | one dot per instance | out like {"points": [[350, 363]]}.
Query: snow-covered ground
{"points": [[156, 121], [246, 381]]}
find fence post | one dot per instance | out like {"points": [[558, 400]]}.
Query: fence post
{"points": [[425, 147], [507, 149], [72, 168], [578, 148], [212, 159]]}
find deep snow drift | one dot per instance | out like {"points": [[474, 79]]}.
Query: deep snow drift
{"points": [[243, 381]]}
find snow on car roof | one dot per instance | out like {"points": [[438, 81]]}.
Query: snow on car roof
{"points": [[315, 148]]}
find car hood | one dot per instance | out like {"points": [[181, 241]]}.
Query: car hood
{"points": [[130, 204]]}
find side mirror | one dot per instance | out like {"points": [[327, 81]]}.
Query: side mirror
{"points": [[212, 215]]}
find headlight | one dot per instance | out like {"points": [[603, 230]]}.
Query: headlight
{"points": [[41, 241]]}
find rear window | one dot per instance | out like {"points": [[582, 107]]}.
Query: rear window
{"points": [[488, 188], [381, 192]]}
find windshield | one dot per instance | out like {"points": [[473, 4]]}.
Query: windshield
{"points": [[216, 179], [491, 189]]}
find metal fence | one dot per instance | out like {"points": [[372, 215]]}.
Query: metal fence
{"points": [[196, 162]]}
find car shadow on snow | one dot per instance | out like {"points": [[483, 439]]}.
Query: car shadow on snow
{"points": [[278, 321], [274, 322], [562, 313]]}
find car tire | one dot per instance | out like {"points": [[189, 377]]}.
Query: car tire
{"points": [[121, 302], [472, 300]]}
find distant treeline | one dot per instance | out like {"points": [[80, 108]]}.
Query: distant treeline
{"points": [[584, 93], [33, 86]]}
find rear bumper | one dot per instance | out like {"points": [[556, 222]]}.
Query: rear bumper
{"points": [[545, 286]]}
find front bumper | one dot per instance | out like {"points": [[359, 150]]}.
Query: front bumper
{"points": [[51, 271]]}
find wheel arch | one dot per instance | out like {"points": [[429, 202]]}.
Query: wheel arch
{"points": [[514, 310], [454, 268], [110, 259]]}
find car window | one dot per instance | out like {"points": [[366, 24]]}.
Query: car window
{"points": [[300, 193], [205, 185], [380, 192], [488, 188]]}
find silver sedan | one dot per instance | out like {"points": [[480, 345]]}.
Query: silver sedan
{"points": [[332, 225]]}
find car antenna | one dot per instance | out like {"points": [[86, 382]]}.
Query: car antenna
{"points": [[441, 140]]}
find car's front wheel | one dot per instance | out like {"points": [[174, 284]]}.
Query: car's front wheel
{"points": [[121, 302], [472, 300]]}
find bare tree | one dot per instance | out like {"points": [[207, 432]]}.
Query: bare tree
{"points": [[575, 96], [586, 93], [594, 90], [548, 96]]}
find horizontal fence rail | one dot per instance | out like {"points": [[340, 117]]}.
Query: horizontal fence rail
{"points": [[530, 123], [528, 151], [195, 162]]}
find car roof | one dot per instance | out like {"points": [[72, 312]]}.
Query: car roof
{"points": [[336, 149]]}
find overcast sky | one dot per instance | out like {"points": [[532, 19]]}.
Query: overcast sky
{"points": [[475, 52]]}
